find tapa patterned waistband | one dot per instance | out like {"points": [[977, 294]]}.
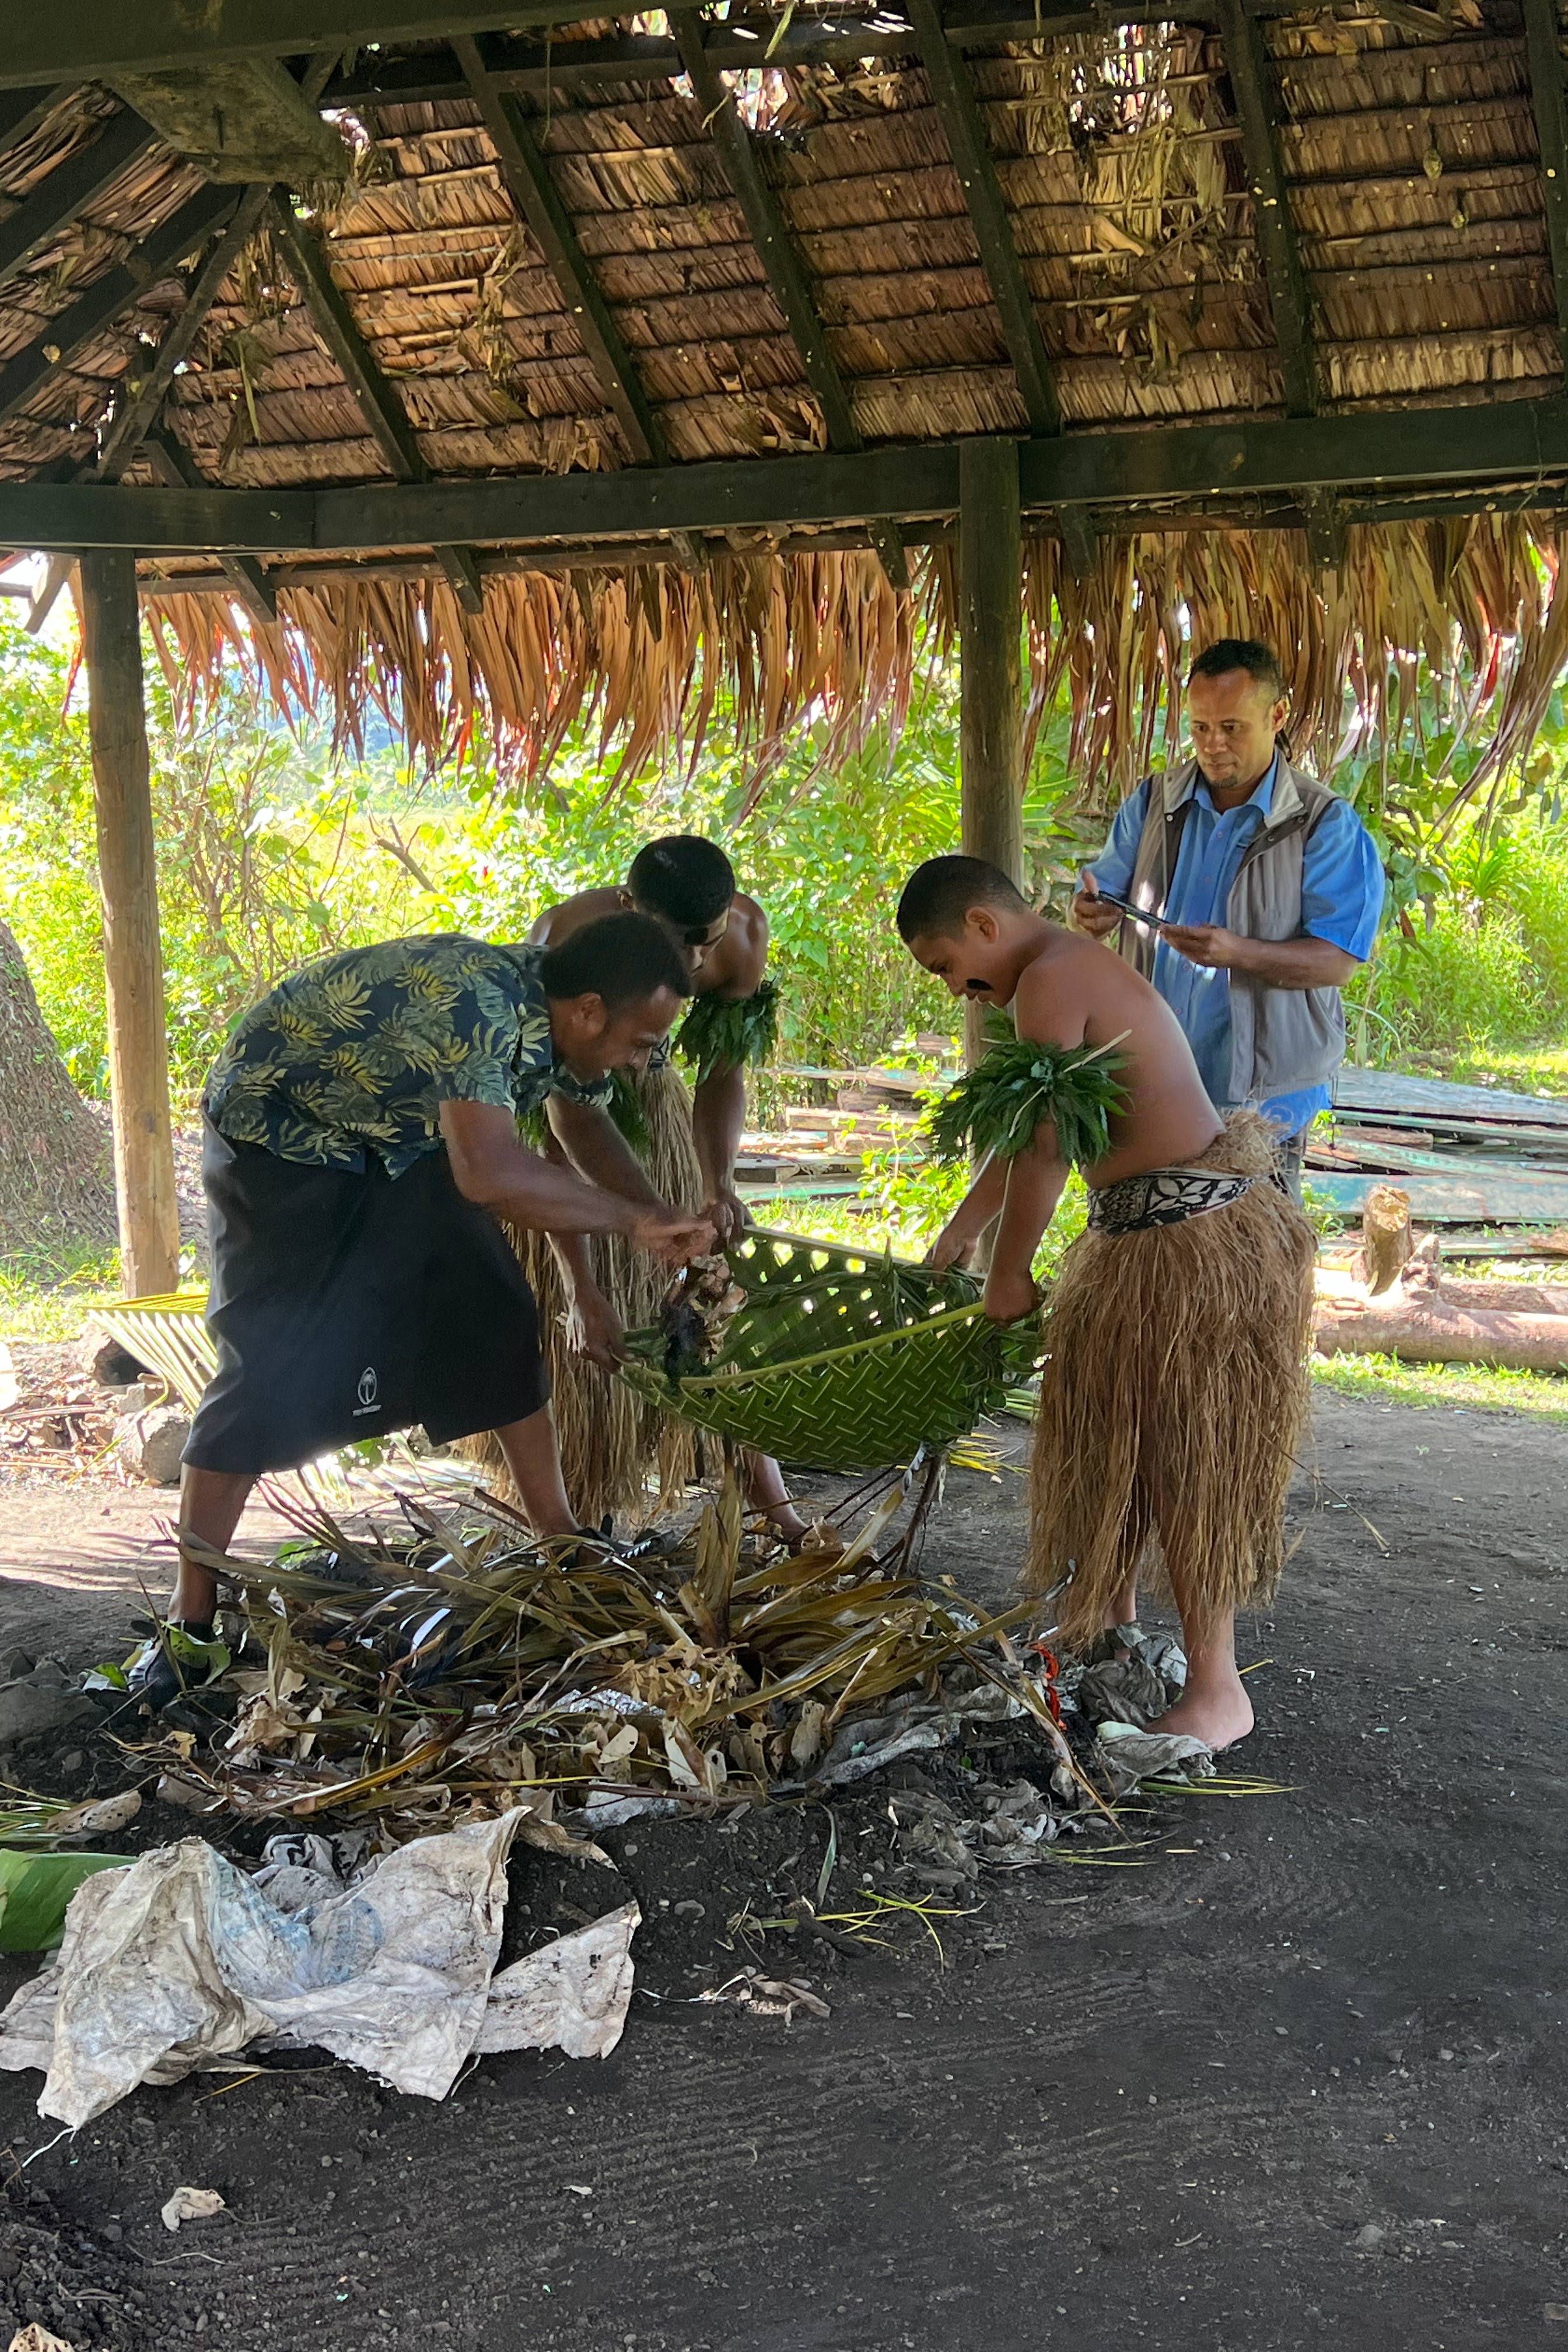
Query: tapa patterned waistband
{"points": [[1165, 1196]]}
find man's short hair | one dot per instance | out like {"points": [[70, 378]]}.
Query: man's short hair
{"points": [[1260, 661], [624, 958], [939, 893], [683, 880]]}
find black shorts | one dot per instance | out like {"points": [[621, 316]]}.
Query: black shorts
{"points": [[348, 1307]]}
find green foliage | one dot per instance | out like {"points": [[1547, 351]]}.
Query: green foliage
{"points": [[262, 862], [1000, 1106]]}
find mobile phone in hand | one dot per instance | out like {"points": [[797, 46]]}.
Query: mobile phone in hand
{"points": [[1137, 914]]}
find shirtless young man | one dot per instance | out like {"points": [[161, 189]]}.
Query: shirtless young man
{"points": [[1175, 1383], [687, 884]]}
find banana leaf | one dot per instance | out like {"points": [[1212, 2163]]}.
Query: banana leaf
{"points": [[36, 1890]]}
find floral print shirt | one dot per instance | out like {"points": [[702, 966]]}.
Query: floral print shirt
{"points": [[356, 1052]]}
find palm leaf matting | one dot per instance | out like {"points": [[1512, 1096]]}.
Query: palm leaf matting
{"points": [[841, 1360]]}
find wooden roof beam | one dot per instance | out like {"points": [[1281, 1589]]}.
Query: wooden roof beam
{"points": [[66, 191], [533, 192], [72, 329], [1248, 61], [1544, 50], [77, 40], [1156, 470], [964, 128]]}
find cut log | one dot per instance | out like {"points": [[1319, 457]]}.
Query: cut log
{"points": [[1386, 1242], [1501, 1297], [1424, 1328]]}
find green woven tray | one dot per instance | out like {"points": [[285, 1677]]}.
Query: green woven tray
{"points": [[841, 1360]]}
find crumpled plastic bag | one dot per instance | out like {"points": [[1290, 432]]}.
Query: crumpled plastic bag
{"points": [[1143, 1755], [181, 1960]]}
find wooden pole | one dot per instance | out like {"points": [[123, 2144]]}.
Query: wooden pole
{"points": [[133, 950], [991, 622]]}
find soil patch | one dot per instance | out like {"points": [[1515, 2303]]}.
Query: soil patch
{"points": [[1299, 2079]]}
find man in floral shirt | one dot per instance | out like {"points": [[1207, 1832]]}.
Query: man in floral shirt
{"points": [[361, 1143]]}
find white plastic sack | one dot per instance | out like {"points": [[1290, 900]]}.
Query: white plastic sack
{"points": [[181, 1960]]}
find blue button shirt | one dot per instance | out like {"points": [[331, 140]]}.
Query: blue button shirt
{"points": [[1341, 900]]}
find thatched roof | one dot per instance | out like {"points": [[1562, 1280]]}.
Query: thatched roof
{"points": [[1407, 264]]}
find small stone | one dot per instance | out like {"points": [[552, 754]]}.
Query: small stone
{"points": [[688, 1910], [1368, 2236], [28, 1708], [71, 1762], [14, 1664]]}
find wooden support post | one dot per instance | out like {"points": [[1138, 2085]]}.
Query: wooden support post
{"points": [[990, 626], [133, 950]]}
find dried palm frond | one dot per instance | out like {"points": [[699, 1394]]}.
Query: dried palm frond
{"points": [[444, 1663]]}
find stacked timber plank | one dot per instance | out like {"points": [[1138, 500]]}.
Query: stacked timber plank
{"points": [[1466, 1155]]}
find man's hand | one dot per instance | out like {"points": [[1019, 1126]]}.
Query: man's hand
{"points": [[597, 1330], [1089, 914], [955, 1245], [1008, 1295], [726, 1212], [672, 1235], [1209, 944]]}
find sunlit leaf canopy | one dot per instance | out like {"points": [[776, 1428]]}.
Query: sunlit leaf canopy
{"points": [[621, 250]]}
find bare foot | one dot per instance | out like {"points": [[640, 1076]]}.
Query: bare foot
{"points": [[787, 1525], [1221, 1715]]}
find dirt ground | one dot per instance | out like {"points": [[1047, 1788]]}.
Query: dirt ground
{"points": [[1301, 2079]]}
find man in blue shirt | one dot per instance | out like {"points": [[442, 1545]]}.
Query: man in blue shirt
{"points": [[1270, 887]]}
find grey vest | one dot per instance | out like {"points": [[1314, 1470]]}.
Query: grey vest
{"points": [[1283, 1039]]}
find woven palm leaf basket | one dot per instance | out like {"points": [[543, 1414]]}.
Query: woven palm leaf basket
{"points": [[842, 1359]]}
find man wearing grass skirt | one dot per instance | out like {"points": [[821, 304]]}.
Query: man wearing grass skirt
{"points": [[361, 1148], [1176, 1386], [669, 1146]]}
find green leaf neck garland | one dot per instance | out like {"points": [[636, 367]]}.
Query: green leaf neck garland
{"points": [[721, 1031], [999, 1106]]}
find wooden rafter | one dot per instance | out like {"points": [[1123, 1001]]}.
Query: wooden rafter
{"points": [[1544, 47], [171, 461], [66, 191], [781, 260], [533, 192], [71, 330], [768, 230], [21, 110], [140, 412], [385, 414], [964, 128], [378, 403], [1452, 454], [1246, 59]]}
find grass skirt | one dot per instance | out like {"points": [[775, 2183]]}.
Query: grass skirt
{"points": [[1172, 1400], [611, 1442]]}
